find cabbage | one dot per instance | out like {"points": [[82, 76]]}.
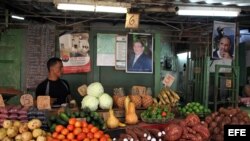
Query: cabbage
{"points": [[105, 101], [95, 89], [91, 102]]}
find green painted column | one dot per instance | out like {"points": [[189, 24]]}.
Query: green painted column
{"points": [[157, 64]]}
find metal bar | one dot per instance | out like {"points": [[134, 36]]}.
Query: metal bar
{"points": [[216, 86], [164, 23], [6, 18]]}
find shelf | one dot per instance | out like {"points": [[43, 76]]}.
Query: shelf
{"points": [[222, 102]]}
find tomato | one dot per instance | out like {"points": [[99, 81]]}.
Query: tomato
{"points": [[49, 138], [101, 132], [97, 135], [70, 127], [78, 124], [81, 136], [60, 137], [86, 139], [84, 124], [107, 135], [90, 126], [85, 130], [70, 136], [54, 135], [72, 121], [59, 128], [90, 135], [65, 140], [77, 131], [163, 114], [94, 129], [94, 139], [103, 138], [65, 131]]}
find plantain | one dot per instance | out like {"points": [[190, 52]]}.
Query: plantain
{"points": [[175, 95], [165, 97], [155, 101], [161, 99]]}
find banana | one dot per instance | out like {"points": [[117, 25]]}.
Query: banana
{"points": [[161, 99], [155, 100], [175, 95], [165, 97]]}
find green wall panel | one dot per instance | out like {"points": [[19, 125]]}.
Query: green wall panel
{"points": [[11, 45]]}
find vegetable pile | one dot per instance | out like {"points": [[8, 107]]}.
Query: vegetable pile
{"points": [[63, 118], [196, 108], [157, 114], [15, 130], [78, 130], [225, 116], [13, 113], [96, 97], [34, 113]]}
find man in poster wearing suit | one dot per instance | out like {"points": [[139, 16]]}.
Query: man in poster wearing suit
{"points": [[139, 62]]}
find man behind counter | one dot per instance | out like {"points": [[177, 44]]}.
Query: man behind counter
{"points": [[53, 85]]}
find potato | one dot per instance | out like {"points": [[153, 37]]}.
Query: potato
{"points": [[12, 131], [7, 139], [34, 124], [3, 133], [41, 138], [18, 137], [26, 136], [7, 124], [17, 123], [37, 132], [23, 128]]}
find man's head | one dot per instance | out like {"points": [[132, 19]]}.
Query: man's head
{"points": [[224, 44], [138, 47], [55, 66]]}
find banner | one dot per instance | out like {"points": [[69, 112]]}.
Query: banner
{"points": [[74, 52]]}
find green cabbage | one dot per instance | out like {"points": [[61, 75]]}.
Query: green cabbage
{"points": [[91, 102], [95, 89], [105, 101]]}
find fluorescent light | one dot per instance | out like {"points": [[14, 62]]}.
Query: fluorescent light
{"points": [[111, 9], [208, 11], [75, 7], [243, 4], [17, 17]]}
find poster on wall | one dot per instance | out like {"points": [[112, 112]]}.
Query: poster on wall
{"points": [[74, 52], [105, 49], [120, 52], [139, 53], [223, 40]]}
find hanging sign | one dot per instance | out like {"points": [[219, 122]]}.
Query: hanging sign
{"points": [[43, 102], [1, 101], [26, 100], [132, 20], [168, 80]]}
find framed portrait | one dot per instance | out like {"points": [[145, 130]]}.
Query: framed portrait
{"points": [[139, 53], [223, 40]]}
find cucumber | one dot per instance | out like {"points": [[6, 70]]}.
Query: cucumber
{"points": [[60, 121], [64, 117], [77, 114], [52, 118], [68, 111], [52, 127]]}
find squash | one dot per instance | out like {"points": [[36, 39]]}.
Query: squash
{"points": [[131, 117], [112, 121], [126, 103]]}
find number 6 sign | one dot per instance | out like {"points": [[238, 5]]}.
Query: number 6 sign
{"points": [[132, 20]]}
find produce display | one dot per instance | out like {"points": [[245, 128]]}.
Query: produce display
{"points": [[225, 116], [187, 129], [13, 113], [15, 130], [78, 130], [96, 97], [194, 107], [167, 97], [157, 114], [34, 113], [63, 118]]}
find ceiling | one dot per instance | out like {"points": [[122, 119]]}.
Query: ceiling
{"points": [[186, 29], [151, 12]]}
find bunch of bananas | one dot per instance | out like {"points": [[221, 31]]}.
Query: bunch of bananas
{"points": [[167, 97]]}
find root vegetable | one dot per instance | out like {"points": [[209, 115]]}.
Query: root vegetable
{"points": [[7, 124], [203, 131], [173, 132], [3, 133], [12, 131], [34, 123], [23, 128], [131, 133], [37, 132], [192, 120], [41, 138], [26, 136]]}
